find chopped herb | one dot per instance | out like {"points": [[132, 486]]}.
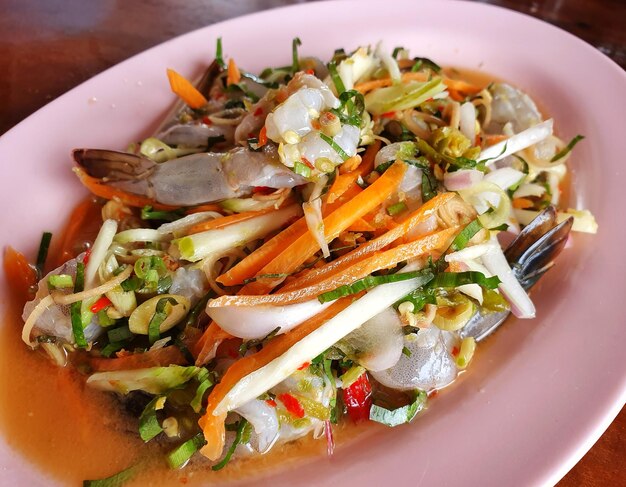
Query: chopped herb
{"points": [[396, 51], [75, 308], [424, 276], [461, 240], [421, 62], [120, 334], [112, 347], [229, 104], [568, 148], [295, 64], [429, 185], [218, 54], [455, 279], [334, 146], [406, 351], [240, 427], [116, 480], [502, 228], [264, 276], [60, 281], [42, 255], [160, 314], [196, 402], [149, 426], [302, 169], [397, 208], [247, 345], [402, 415], [334, 75], [147, 213], [181, 455], [131, 284]]}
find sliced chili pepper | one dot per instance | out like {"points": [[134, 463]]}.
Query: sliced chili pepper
{"points": [[388, 115], [262, 137], [308, 163], [304, 365], [86, 256], [309, 71], [271, 402], [358, 399], [99, 305], [206, 120], [292, 405], [258, 112]]}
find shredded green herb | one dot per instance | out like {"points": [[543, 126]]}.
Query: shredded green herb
{"points": [[455, 279], [42, 254], [196, 402], [335, 146], [397, 208], [295, 64], [302, 169], [219, 59], [75, 308], [120, 334], [561, 154], [147, 213], [160, 314], [421, 62], [334, 76], [179, 457], [240, 427], [402, 415], [116, 480], [149, 426], [264, 276]]}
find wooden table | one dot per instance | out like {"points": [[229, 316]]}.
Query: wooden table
{"points": [[49, 46]]}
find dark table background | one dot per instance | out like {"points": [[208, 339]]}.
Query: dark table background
{"points": [[49, 46]]}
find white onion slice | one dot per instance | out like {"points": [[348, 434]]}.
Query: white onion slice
{"points": [[462, 179], [467, 121], [530, 189], [505, 177], [348, 320], [250, 322], [468, 253], [182, 225], [315, 223], [517, 142], [98, 251]]}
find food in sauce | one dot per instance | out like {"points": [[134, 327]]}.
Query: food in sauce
{"points": [[312, 245]]}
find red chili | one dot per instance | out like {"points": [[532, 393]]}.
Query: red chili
{"points": [[455, 351], [308, 163], [258, 112], [263, 190], [358, 399], [262, 137], [86, 256], [309, 71], [99, 305], [206, 120], [388, 115], [271, 402], [304, 365], [292, 405]]}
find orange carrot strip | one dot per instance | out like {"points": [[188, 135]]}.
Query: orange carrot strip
{"points": [[234, 76], [340, 185], [185, 90], [109, 192], [228, 220], [335, 223], [376, 262], [213, 426], [161, 357], [208, 343], [522, 203], [209, 207], [254, 262], [361, 226], [367, 164], [20, 275], [262, 137], [454, 85], [415, 218]]}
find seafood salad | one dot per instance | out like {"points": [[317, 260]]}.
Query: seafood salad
{"points": [[318, 243]]}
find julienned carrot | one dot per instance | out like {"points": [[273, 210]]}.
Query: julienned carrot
{"points": [[208, 207], [453, 84], [213, 426], [254, 262], [109, 192], [361, 226], [206, 346], [340, 185], [522, 203], [160, 357], [228, 220], [376, 262], [335, 223], [185, 90], [367, 164], [20, 275], [418, 216], [234, 76]]}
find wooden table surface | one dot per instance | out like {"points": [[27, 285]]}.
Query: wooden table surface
{"points": [[49, 46]]}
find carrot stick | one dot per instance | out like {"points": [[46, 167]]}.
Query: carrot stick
{"points": [[522, 203], [254, 262], [185, 90], [234, 76], [19, 274], [228, 220], [361, 226], [213, 426], [367, 164], [340, 185], [109, 192], [210, 339], [209, 207], [418, 216], [161, 357], [378, 261], [335, 223], [454, 85]]}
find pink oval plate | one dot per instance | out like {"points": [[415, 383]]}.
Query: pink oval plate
{"points": [[541, 392]]}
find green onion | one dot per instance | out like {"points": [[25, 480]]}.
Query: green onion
{"points": [[354, 103], [75, 308], [423, 61], [397, 208], [43, 253], [240, 427], [302, 169], [181, 455], [461, 240], [104, 320], [351, 375], [455, 279], [248, 344], [131, 284], [327, 365], [402, 415], [424, 276], [334, 75], [112, 347], [335, 146], [218, 54], [396, 51], [406, 351], [116, 480], [295, 64], [419, 298], [196, 402], [60, 281], [192, 317], [147, 213], [160, 314], [119, 334], [149, 426], [144, 265], [568, 148]]}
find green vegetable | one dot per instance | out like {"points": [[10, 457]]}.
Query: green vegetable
{"points": [[104, 320], [351, 376], [334, 146], [334, 75], [240, 427], [113, 347], [455, 279], [302, 169], [160, 315], [181, 455], [429, 185], [423, 276], [404, 414], [75, 308], [119, 334], [153, 380], [421, 62], [219, 59], [196, 402], [295, 64], [147, 213], [568, 148], [397, 208], [116, 480], [450, 142], [461, 240], [60, 281], [42, 254], [149, 426], [402, 96]]}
